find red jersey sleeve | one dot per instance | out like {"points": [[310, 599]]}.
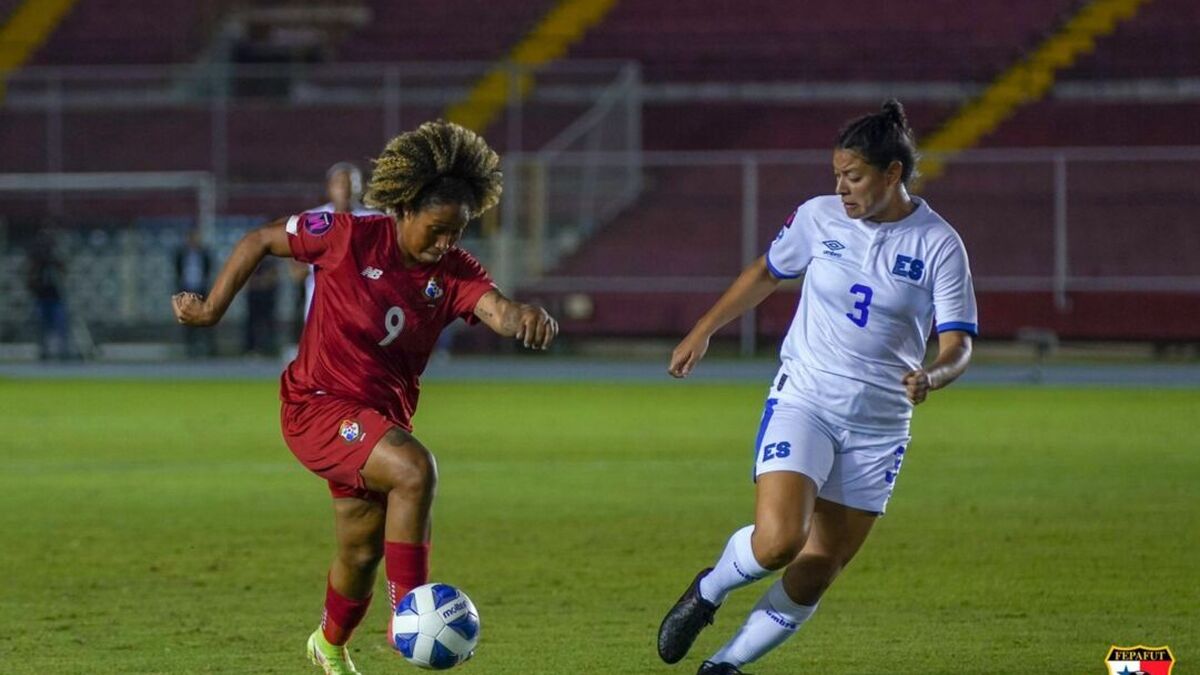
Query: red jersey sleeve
{"points": [[468, 283], [319, 237]]}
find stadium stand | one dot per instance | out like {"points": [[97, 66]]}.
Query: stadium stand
{"points": [[686, 223], [755, 40], [1162, 41], [689, 227], [121, 32], [451, 30]]}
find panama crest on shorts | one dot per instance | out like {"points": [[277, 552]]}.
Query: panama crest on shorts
{"points": [[350, 430]]}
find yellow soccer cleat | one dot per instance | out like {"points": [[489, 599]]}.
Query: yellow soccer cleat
{"points": [[333, 659]]}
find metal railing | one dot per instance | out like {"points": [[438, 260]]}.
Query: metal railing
{"points": [[215, 102], [1032, 219]]}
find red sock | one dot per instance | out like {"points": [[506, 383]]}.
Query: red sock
{"points": [[407, 567], [341, 616]]}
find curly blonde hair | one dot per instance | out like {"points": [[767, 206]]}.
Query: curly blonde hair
{"points": [[436, 163]]}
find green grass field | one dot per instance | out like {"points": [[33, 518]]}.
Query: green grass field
{"points": [[151, 527]]}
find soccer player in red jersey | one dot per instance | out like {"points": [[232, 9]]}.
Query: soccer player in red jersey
{"points": [[386, 287]]}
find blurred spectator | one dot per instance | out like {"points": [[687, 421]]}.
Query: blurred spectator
{"points": [[46, 281], [344, 189], [261, 296], [193, 267]]}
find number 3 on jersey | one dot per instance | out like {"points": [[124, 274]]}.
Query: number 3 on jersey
{"points": [[393, 323], [861, 319]]}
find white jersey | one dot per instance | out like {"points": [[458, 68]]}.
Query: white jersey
{"points": [[870, 297]]}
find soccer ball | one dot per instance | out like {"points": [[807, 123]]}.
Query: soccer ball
{"points": [[436, 626]]}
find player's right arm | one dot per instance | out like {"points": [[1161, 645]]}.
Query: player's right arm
{"points": [[751, 287], [194, 310], [786, 258]]}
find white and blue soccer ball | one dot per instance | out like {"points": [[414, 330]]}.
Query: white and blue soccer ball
{"points": [[436, 626]]}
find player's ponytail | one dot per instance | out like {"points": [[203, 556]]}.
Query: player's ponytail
{"points": [[882, 138], [436, 163]]}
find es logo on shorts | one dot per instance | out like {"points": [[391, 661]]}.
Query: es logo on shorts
{"points": [[889, 476], [776, 450], [350, 431]]}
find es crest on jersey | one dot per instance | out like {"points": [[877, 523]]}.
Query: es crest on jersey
{"points": [[433, 290], [908, 266], [318, 224]]}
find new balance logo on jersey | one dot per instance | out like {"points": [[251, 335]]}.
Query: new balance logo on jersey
{"points": [[372, 272], [834, 246]]}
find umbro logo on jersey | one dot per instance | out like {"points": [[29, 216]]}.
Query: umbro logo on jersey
{"points": [[833, 246], [372, 272]]}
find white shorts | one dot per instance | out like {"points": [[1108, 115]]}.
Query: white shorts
{"points": [[851, 468]]}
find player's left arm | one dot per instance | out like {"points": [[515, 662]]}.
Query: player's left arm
{"points": [[531, 325], [957, 321], [954, 354], [192, 309]]}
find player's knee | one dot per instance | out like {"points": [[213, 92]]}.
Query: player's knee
{"points": [[413, 472], [777, 547], [813, 574], [822, 569], [360, 557]]}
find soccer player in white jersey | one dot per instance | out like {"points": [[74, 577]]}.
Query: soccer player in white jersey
{"points": [[881, 271]]}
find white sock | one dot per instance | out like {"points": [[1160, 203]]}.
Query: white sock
{"points": [[773, 620], [737, 567]]}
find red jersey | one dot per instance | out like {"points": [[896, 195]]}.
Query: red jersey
{"points": [[373, 322]]}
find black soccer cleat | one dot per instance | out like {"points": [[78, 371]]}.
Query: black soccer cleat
{"points": [[710, 668], [684, 622]]}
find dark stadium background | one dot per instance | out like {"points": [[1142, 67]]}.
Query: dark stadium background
{"points": [[651, 148]]}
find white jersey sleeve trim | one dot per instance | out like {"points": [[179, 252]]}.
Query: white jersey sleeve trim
{"points": [[954, 291], [291, 224], [776, 272], [965, 327]]}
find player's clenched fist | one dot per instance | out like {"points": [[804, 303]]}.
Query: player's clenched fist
{"points": [[917, 384], [537, 328], [687, 354], [191, 310]]}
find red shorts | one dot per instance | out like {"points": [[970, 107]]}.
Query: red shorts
{"points": [[333, 437]]}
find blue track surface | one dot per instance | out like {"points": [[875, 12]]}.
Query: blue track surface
{"points": [[550, 368]]}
